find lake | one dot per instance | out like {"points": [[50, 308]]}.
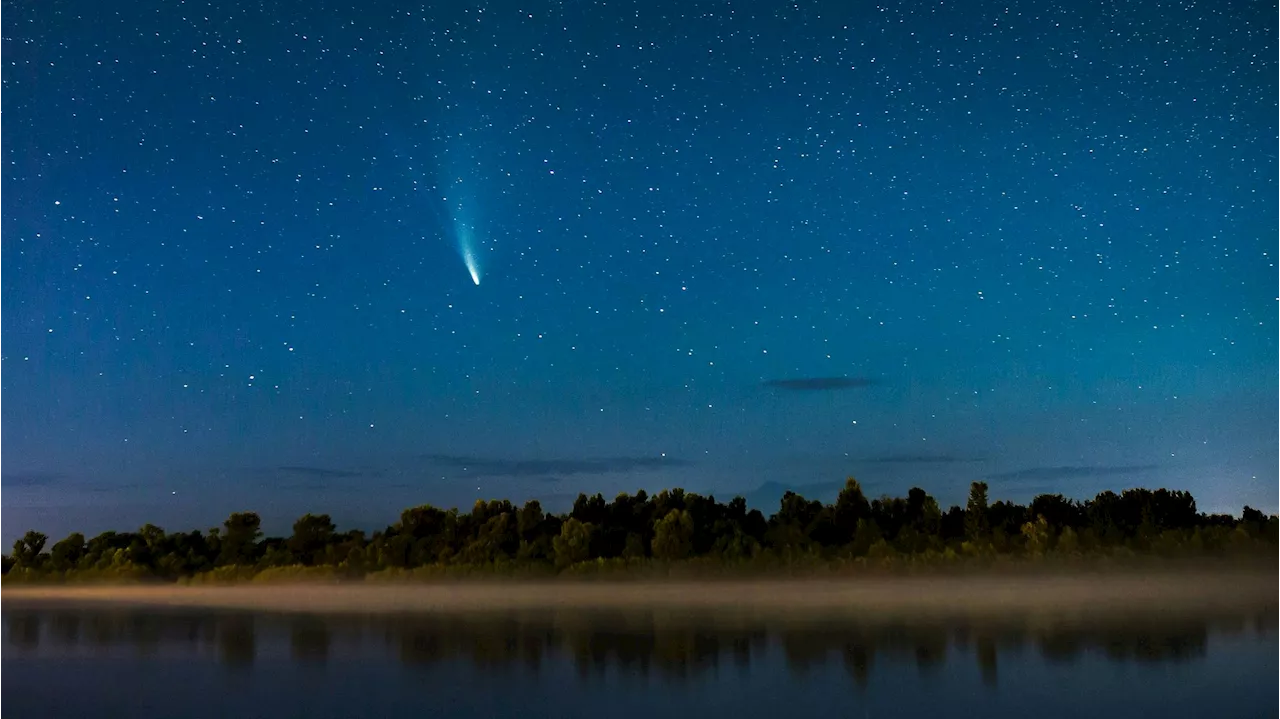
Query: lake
{"points": [[96, 661]]}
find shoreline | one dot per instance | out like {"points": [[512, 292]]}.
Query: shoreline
{"points": [[1154, 592]]}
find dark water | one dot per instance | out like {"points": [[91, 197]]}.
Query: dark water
{"points": [[87, 663]]}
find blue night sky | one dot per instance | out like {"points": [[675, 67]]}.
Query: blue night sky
{"points": [[718, 245]]}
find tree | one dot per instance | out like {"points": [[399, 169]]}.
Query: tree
{"points": [[532, 526], [1036, 535], [312, 533], [1106, 516], [634, 548], [1007, 517], [976, 522], [865, 536], [671, 526], [573, 544], [796, 511], [147, 546], [497, 539], [1057, 510], [930, 522], [851, 506], [629, 527], [673, 536], [591, 510], [422, 521], [1068, 541], [152, 536], [26, 551], [530, 520], [240, 538], [67, 553], [736, 545]]}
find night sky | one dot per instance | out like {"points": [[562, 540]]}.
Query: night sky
{"points": [[715, 245]]}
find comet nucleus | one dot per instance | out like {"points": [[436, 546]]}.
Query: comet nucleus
{"points": [[472, 267]]}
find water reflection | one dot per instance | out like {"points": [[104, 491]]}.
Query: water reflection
{"points": [[309, 639], [667, 646], [24, 631], [237, 640]]}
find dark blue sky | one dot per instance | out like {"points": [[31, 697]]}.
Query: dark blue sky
{"points": [[718, 245]]}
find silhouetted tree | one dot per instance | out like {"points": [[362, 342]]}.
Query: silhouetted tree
{"points": [[1057, 510], [976, 522], [851, 506], [789, 528], [590, 510], [674, 525], [1252, 516], [239, 539], [312, 534]]}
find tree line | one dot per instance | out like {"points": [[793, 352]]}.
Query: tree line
{"points": [[670, 526]]}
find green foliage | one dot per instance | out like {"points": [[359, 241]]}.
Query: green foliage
{"points": [[67, 553], [26, 551], [668, 534], [1036, 535], [573, 544], [229, 574], [673, 536], [298, 573], [865, 536]]}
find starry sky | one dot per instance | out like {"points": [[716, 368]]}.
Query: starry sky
{"points": [[348, 258]]}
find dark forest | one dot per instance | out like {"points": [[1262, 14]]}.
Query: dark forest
{"points": [[669, 529]]}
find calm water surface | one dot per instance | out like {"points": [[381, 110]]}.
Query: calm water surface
{"points": [[103, 662]]}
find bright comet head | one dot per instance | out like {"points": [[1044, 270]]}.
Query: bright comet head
{"points": [[467, 248], [472, 266]]}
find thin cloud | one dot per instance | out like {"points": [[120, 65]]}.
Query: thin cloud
{"points": [[819, 384], [551, 469], [108, 488], [922, 459], [31, 479], [1041, 474], [319, 472]]}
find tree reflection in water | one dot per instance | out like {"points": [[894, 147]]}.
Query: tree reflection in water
{"points": [[665, 646], [237, 640], [309, 639]]}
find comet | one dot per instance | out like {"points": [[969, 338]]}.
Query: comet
{"points": [[466, 249], [459, 202], [472, 267]]}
